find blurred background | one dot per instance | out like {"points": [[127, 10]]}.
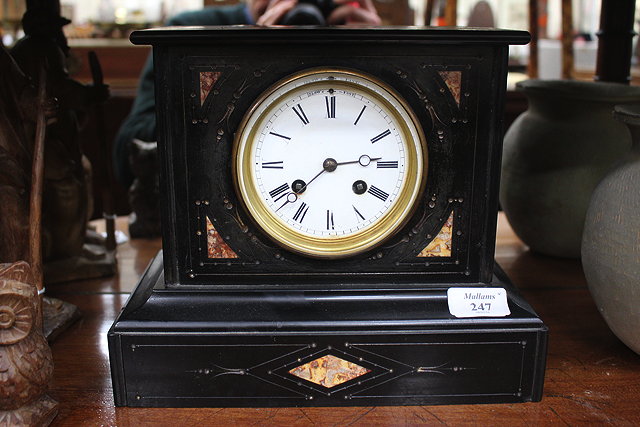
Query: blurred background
{"points": [[565, 38], [109, 22]]}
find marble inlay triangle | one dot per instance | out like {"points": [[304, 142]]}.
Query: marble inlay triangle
{"points": [[329, 371], [207, 80], [441, 245], [216, 246], [453, 80]]}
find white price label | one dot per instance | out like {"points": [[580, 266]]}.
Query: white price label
{"points": [[478, 302]]}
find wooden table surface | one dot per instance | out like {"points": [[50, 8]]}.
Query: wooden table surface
{"points": [[591, 378]]}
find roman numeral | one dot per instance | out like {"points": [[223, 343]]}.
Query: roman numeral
{"points": [[358, 214], [388, 165], [330, 101], [278, 190], [359, 115], [301, 212], [274, 165], [280, 136], [376, 192], [300, 113], [379, 137], [330, 224]]}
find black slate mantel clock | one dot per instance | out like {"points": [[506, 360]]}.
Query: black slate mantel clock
{"points": [[327, 193]]}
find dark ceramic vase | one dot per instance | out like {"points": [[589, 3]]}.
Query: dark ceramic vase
{"points": [[611, 240], [554, 156]]}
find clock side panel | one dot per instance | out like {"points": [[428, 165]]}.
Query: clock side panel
{"points": [[204, 92], [171, 155], [493, 132]]}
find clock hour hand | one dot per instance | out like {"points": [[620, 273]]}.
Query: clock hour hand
{"points": [[364, 160], [329, 165]]}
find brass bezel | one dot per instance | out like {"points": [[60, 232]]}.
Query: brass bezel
{"points": [[331, 246]]}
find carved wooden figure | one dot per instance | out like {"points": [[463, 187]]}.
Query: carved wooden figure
{"points": [[25, 359], [66, 195], [26, 364], [17, 123]]}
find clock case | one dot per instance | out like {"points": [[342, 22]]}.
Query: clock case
{"points": [[223, 314]]}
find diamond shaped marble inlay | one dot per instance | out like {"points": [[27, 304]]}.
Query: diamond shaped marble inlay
{"points": [[329, 371]]}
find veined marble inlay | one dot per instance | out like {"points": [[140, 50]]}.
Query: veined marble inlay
{"points": [[329, 371], [441, 245], [453, 80], [207, 80], [216, 246]]}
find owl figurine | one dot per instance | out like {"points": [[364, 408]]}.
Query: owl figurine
{"points": [[26, 364]]}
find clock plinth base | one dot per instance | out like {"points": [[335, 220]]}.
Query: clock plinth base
{"points": [[204, 348]]}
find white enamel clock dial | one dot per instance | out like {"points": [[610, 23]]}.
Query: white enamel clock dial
{"points": [[330, 163]]}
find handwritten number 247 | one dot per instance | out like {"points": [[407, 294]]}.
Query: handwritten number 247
{"points": [[485, 306]]}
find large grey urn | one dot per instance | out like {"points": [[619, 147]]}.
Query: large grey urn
{"points": [[611, 240], [555, 153]]}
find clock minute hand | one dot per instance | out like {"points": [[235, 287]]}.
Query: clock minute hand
{"points": [[329, 165], [364, 160]]}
